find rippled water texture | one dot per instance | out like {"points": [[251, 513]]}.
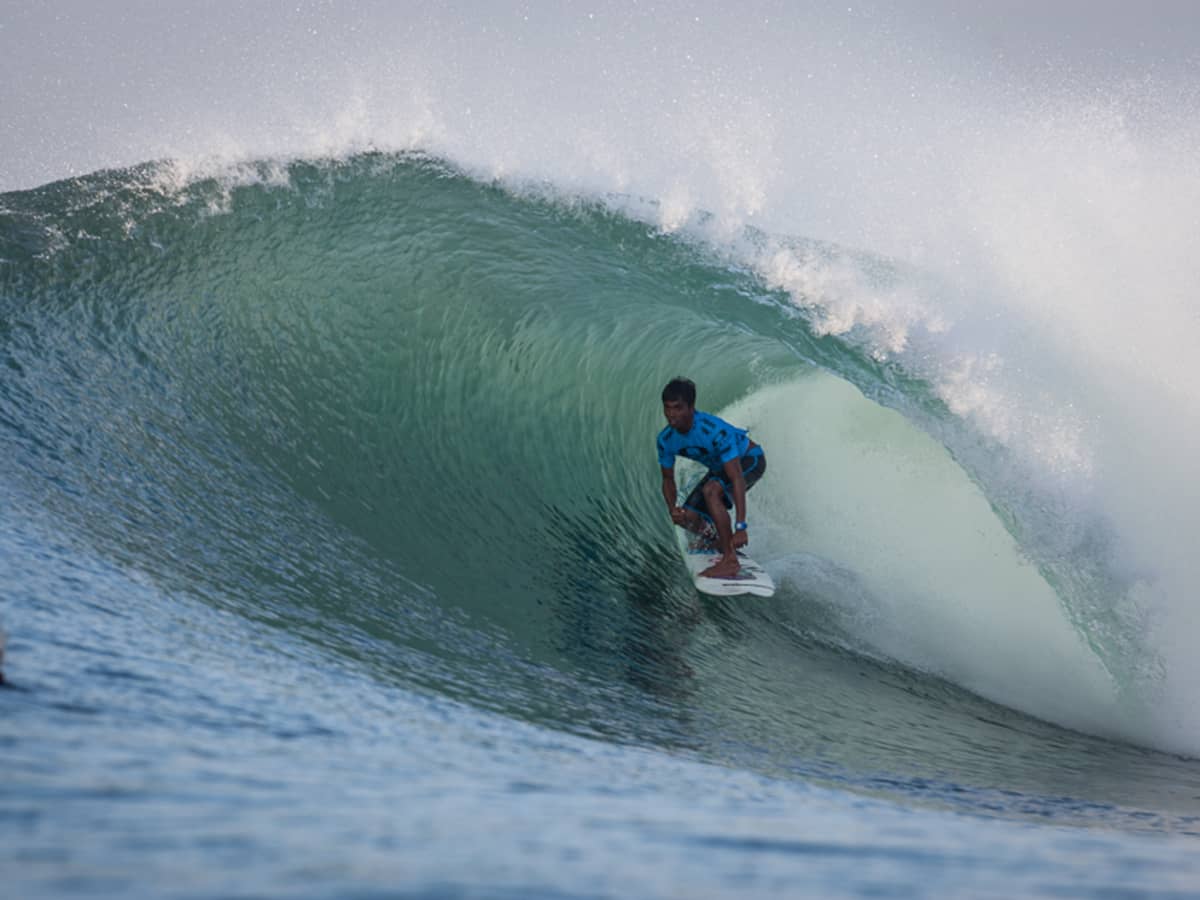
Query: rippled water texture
{"points": [[333, 560], [334, 565]]}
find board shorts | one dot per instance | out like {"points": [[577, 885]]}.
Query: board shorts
{"points": [[754, 464]]}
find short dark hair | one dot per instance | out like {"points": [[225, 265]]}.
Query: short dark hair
{"points": [[680, 388]]}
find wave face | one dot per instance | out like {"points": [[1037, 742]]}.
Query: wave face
{"points": [[978, 223], [328, 384], [408, 415]]}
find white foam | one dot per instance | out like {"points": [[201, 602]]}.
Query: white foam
{"points": [[937, 581]]}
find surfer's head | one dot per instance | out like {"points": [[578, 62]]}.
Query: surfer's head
{"points": [[679, 403]]}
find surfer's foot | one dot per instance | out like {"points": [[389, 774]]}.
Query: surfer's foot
{"points": [[725, 567]]}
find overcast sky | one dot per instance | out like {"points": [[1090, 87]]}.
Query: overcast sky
{"points": [[85, 84]]}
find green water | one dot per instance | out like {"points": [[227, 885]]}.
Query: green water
{"points": [[383, 435]]}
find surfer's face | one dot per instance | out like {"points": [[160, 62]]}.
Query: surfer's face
{"points": [[679, 415]]}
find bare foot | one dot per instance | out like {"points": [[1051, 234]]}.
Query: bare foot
{"points": [[723, 568]]}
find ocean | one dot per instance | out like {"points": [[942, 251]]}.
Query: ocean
{"points": [[333, 561]]}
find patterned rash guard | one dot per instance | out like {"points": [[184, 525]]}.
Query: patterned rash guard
{"points": [[711, 441]]}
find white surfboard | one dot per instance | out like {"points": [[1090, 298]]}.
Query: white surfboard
{"points": [[751, 578]]}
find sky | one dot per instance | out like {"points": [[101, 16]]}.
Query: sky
{"points": [[85, 85]]}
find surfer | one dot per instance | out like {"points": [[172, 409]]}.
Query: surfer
{"points": [[734, 464]]}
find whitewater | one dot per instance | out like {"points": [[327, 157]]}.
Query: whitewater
{"points": [[332, 551]]}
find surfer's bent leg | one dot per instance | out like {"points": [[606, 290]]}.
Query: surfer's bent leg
{"points": [[715, 497], [695, 511], [728, 565], [718, 498]]}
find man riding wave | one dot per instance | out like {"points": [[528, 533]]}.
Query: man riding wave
{"points": [[734, 462]]}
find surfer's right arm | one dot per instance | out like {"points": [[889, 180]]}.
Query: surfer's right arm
{"points": [[671, 494]]}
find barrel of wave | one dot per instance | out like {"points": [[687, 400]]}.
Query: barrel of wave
{"points": [[866, 516]]}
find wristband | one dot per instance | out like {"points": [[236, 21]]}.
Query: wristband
{"points": [[741, 526]]}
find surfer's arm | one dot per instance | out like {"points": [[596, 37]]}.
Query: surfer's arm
{"points": [[670, 492], [671, 495]]}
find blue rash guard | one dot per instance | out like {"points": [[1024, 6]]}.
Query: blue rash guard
{"points": [[712, 442]]}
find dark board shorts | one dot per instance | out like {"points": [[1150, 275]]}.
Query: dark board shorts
{"points": [[754, 464]]}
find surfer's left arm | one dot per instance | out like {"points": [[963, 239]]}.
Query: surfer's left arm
{"points": [[733, 472]]}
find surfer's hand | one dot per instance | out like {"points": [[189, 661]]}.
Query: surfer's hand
{"points": [[740, 539], [677, 515]]}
